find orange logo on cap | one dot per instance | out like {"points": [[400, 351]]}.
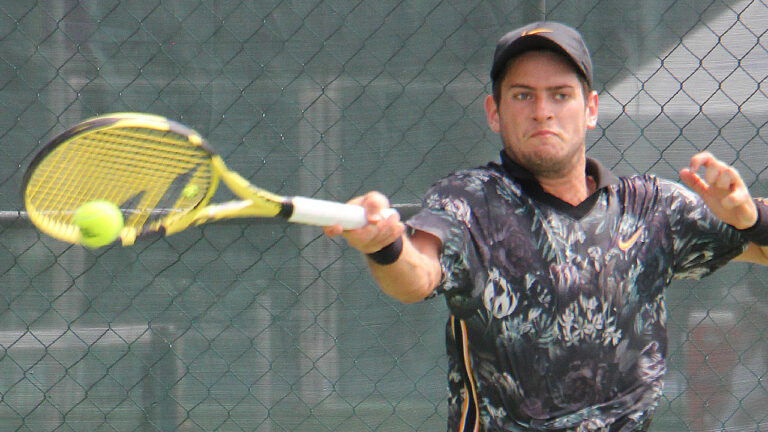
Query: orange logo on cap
{"points": [[536, 31]]}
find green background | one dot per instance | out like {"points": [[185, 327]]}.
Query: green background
{"points": [[256, 325]]}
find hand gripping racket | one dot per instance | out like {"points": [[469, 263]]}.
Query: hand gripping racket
{"points": [[161, 174]]}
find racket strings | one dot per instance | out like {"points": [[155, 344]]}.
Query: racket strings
{"points": [[143, 167]]}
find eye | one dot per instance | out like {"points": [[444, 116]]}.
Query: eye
{"points": [[521, 96], [561, 96]]}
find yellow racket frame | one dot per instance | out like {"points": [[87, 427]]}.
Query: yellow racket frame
{"points": [[59, 163]]}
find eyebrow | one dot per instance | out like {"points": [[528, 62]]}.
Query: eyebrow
{"points": [[552, 88]]}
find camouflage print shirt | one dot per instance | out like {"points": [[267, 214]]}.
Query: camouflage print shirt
{"points": [[557, 311]]}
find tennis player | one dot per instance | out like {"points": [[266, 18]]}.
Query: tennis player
{"points": [[554, 268]]}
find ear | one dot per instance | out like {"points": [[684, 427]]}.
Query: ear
{"points": [[492, 113], [592, 110]]}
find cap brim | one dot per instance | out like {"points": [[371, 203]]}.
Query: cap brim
{"points": [[530, 43]]}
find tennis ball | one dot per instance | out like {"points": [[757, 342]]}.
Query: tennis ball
{"points": [[190, 191], [99, 221]]}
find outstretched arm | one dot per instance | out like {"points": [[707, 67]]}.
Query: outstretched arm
{"points": [[416, 271], [726, 195]]}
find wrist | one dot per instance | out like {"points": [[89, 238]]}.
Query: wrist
{"points": [[758, 233], [389, 253]]}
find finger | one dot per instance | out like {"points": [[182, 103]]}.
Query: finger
{"points": [[371, 203], [387, 224], [693, 181], [725, 180], [374, 203], [390, 215], [333, 230], [700, 159], [712, 172]]}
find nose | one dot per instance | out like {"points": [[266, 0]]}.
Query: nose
{"points": [[542, 109]]}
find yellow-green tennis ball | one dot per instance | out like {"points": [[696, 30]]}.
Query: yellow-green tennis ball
{"points": [[190, 191], [99, 221]]}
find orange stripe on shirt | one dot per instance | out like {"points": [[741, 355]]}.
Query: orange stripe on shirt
{"points": [[470, 377]]}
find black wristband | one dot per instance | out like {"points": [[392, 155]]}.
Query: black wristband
{"points": [[758, 233], [389, 253]]}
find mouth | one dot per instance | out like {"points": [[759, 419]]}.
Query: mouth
{"points": [[543, 133]]}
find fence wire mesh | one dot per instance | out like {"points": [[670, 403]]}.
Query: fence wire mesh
{"points": [[263, 326]]}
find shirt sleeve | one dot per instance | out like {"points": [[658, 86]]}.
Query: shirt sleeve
{"points": [[701, 242], [447, 214]]}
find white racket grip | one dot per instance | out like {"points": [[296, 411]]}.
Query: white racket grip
{"points": [[310, 211]]}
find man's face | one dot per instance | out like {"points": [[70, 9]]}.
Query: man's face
{"points": [[542, 114]]}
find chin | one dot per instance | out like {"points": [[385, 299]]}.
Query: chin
{"points": [[545, 163]]}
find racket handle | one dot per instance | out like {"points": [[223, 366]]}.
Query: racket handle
{"points": [[311, 211]]}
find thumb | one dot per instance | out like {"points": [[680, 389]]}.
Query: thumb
{"points": [[374, 203]]}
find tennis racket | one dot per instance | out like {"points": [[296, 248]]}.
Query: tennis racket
{"points": [[161, 174]]}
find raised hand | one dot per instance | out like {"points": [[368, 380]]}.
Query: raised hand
{"points": [[722, 189]]}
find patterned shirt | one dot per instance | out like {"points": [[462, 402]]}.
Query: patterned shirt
{"points": [[557, 311]]}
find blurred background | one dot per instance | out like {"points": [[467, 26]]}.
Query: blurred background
{"points": [[255, 325]]}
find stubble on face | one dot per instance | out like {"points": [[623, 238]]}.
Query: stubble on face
{"points": [[547, 165]]}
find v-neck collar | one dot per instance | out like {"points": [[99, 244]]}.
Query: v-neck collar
{"points": [[603, 178]]}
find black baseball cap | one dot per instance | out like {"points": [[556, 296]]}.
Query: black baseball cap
{"points": [[543, 35]]}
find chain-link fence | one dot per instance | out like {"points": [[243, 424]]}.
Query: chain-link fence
{"points": [[263, 326]]}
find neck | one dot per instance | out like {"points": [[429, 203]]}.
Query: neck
{"points": [[573, 188], [571, 185], [569, 182]]}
